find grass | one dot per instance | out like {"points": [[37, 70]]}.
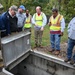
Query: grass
{"points": [[46, 37]]}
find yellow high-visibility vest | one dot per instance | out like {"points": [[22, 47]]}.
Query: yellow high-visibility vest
{"points": [[55, 22], [28, 22], [39, 19]]}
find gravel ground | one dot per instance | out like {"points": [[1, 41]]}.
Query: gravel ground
{"points": [[1, 61]]}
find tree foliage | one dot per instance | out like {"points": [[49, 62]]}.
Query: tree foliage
{"points": [[66, 7]]}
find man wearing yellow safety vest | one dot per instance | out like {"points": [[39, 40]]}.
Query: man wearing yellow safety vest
{"points": [[27, 25], [57, 26], [39, 20]]}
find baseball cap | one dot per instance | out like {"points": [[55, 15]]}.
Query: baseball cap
{"points": [[22, 7], [14, 7]]}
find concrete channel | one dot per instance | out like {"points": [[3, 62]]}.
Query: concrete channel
{"points": [[20, 59]]}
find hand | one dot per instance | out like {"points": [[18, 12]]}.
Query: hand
{"points": [[61, 33], [8, 34], [49, 24], [42, 28], [36, 25], [27, 22]]}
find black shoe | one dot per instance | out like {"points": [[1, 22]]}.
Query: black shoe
{"points": [[67, 59], [72, 61]]}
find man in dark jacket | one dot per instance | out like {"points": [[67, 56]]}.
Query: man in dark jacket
{"points": [[9, 20]]}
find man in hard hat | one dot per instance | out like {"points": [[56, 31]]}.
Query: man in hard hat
{"points": [[21, 17], [39, 20], [57, 26]]}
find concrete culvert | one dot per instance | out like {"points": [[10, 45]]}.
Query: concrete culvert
{"points": [[19, 59]]}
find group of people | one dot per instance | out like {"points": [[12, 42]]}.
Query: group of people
{"points": [[57, 26], [14, 21]]}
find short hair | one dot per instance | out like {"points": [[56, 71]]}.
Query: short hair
{"points": [[55, 10], [39, 7], [13, 7], [27, 10]]}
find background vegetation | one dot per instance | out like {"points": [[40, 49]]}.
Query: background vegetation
{"points": [[46, 37], [66, 8]]}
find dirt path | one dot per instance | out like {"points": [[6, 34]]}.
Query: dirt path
{"points": [[1, 61], [62, 54]]}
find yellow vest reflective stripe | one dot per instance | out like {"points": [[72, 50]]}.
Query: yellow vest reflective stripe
{"points": [[55, 28], [55, 23], [27, 22], [39, 19]]}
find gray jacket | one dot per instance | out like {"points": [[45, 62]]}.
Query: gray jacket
{"points": [[21, 19], [71, 29]]}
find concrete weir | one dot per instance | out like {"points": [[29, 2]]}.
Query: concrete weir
{"points": [[22, 60]]}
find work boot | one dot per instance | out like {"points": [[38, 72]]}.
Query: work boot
{"points": [[57, 52], [72, 61], [40, 46], [51, 50], [35, 46], [67, 60]]}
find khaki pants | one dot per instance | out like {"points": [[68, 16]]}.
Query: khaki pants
{"points": [[38, 37]]}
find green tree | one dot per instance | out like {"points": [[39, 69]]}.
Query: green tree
{"points": [[66, 7]]}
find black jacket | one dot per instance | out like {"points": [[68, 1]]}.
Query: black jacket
{"points": [[9, 23]]}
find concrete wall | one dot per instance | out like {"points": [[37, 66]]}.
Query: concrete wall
{"points": [[34, 65]]}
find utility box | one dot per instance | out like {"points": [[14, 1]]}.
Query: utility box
{"points": [[15, 48], [19, 59]]}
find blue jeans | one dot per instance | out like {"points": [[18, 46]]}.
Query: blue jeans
{"points": [[55, 41], [71, 44]]}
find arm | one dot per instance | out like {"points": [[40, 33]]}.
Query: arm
{"points": [[49, 23], [30, 19], [71, 22], [6, 23], [33, 19], [71, 25], [62, 26], [24, 20], [44, 20]]}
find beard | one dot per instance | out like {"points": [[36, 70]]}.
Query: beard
{"points": [[27, 15]]}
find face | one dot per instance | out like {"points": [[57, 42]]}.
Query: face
{"points": [[27, 11], [13, 13], [55, 14], [20, 10], [38, 10]]}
